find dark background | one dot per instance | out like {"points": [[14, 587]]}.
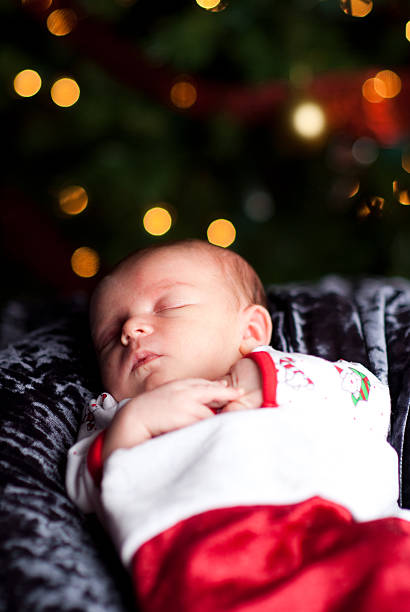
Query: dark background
{"points": [[131, 148]]}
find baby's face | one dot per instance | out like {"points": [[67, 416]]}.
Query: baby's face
{"points": [[168, 316]]}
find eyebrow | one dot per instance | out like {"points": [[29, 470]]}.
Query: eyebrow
{"points": [[168, 284]]}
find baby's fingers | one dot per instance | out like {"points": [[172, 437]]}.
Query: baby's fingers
{"points": [[216, 394]]}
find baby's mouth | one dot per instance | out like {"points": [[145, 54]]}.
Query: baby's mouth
{"points": [[142, 358]]}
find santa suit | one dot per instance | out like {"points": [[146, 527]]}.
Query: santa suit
{"points": [[280, 509]]}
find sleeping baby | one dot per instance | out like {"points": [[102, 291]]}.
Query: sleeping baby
{"points": [[235, 508]]}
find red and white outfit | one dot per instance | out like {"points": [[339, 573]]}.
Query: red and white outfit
{"points": [[292, 507]]}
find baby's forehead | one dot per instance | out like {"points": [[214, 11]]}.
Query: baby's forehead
{"points": [[199, 265]]}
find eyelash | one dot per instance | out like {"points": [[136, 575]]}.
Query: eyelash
{"points": [[163, 309]]}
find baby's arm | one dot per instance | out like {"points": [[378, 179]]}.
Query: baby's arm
{"points": [[108, 426], [171, 406]]}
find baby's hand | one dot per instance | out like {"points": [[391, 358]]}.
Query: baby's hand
{"points": [[171, 406], [245, 374]]}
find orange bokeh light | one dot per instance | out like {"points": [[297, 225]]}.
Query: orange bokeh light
{"points": [[221, 232], [73, 199], [61, 22], [157, 221], [370, 92], [356, 8], [65, 92], [183, 94], [387, 84], [37, 5], [85, 262], [27, 83]]}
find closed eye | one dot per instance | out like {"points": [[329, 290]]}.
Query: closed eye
{"points": [[162, 309]]}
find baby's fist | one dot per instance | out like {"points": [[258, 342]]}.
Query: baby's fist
{"points": [[245, 374]]}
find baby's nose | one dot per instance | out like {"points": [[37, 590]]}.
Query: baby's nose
{"points": [[133, 328]]}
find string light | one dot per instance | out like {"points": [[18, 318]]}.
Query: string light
{"points": [[309, 120], [27, 83], [65, 92], [221, 232], [183, 94], [85, 262], [73, 199], [61, 22], [356, 8], [157, 221]]}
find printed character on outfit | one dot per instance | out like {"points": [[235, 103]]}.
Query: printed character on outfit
{"points": [[292, 507]]}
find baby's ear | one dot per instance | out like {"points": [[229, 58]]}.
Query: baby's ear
{"points": [[257, 328]]}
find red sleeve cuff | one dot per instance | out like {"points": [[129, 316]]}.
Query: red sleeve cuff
{"points": [[94, 459], [269, 377]]}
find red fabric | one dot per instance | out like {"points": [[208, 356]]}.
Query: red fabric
{"points": [[94, 459], [311, 556], [269, 377]]}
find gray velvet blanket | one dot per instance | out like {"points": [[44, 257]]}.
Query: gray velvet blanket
{"points": [[52, 557]]}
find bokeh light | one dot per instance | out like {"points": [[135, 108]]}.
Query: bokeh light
{"points": [[37, 5], [365, 151], [408, 31], [61, 22], [354, 189], [363, 211], [405, 161], [387, 84], [308, 120], [157, 221], [342, 189], [404, 197], [376, 203], [258, 206], [65, 92], [85, 262], [221, 232], [27, 83], [183, 94], [73, 199], [356, 8], [208, 4], [370, 90], [221, 6]]}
